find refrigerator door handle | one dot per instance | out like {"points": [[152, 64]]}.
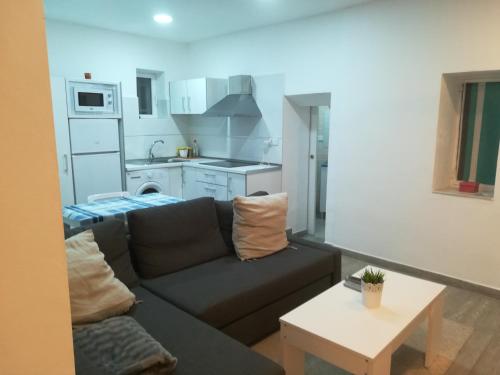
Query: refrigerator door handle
{"points": [[66, 164]]}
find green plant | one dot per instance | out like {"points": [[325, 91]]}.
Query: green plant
{"points": [[372, 277]]}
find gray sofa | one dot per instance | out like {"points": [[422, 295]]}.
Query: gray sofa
{"points": [[199, 300]]}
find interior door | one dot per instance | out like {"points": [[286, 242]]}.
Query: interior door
{"points": [[96, 174], [63, 145], [197, 96], [178, 97], [311, 196]]}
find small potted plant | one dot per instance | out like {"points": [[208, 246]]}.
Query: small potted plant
{"points": [[372, 284]]}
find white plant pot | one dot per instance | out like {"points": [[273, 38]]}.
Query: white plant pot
{"points": [[371, 294]]}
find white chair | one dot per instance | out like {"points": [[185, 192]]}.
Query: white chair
{"points": [[98, 197]]}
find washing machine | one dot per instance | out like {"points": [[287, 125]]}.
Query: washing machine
{"points": [[147, 181]]}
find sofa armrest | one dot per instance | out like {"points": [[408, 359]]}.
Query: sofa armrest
{"points": [[337, 254]]}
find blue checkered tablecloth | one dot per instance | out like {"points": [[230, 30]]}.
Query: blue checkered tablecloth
{"points": [[88, 213]]}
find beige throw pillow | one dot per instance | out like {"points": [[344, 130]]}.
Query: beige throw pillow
{"points": [[259, 225], [95, 293]]}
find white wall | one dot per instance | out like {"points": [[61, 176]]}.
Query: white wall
{"points": [[114, 56], [383, 63]]}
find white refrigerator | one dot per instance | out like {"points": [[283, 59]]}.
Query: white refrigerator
{"points": [[95, 153]]}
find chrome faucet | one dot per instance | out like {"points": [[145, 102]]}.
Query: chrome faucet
{"points": [[151, 156]]}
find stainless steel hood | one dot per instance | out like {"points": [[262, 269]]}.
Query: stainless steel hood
{"points": [[239, 101]]}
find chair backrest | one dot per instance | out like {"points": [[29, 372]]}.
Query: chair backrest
{"points": [[98, 197]]}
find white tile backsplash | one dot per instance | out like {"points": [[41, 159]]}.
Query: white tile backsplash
{"points": [[137, 147], [255, 149], [140, 133], [244, 138], [221, 137], [135, 126]]}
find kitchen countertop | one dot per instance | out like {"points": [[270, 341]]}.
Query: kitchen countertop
{"points": [[142, 164]]}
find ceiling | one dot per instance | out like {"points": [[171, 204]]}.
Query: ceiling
{"points": [[193, 19]]}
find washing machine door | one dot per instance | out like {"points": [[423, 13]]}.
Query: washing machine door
{"points": [[148, 188]]}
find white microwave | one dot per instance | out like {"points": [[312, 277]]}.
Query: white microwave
{"points": [[93, 99]]}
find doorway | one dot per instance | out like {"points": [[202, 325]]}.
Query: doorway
{"points": [[319, 130], [307, 127]]}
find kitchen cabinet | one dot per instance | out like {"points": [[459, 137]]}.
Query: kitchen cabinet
{"points": [[236, 185], [217, 192], [195, 96], [175, 182], [221, 185], [190, 188], [211, 176]]}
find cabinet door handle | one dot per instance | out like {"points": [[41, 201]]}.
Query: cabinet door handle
{"points": [[189, 104], [135, 177], [183, 104], [66, 164], [209, 175]]}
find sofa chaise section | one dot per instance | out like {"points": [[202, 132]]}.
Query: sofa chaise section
{"points": [[199, 348], [226, 290]]}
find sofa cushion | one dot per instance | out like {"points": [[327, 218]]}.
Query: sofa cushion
{"points": [[199, 348], [169, 238], [111, 236], [224, 211], [224, 290], [225, 216]]}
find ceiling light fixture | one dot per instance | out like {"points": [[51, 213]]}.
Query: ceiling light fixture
{"points": [[163, 18]]}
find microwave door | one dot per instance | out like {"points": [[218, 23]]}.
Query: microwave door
{"points": [[88, 100]]}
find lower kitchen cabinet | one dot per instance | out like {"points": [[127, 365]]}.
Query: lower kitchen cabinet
{"points": [[236, 185], [190, 188], [202, 182], [175, 182], [217, 192]]}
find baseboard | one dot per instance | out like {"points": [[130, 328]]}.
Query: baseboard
{"points": [[423, 274]]}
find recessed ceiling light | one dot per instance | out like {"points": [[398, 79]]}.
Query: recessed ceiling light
{"points": [[163, 18]]}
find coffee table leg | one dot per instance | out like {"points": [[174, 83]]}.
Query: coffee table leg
{"points": [[293, 359], [434, 326], [381, 365]]}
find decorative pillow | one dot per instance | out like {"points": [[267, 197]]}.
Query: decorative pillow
{"points": [[95, 293], [259, 225], [111, 237], [225, 216]]}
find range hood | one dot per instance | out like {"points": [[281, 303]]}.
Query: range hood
{"points": [[239, 101]]}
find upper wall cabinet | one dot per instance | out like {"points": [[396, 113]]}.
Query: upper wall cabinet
{"points": [[195, 96]]}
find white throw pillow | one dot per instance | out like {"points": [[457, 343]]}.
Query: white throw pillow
{"points": [[259, 225], [95, 292]]}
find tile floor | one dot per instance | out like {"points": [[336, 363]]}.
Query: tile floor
{"points": [[471, 344]]}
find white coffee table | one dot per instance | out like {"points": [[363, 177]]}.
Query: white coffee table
{"points": [[337, 328]]}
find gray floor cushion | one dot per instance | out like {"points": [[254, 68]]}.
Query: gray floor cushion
{"points": [[226, 289], [199, 348]]}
